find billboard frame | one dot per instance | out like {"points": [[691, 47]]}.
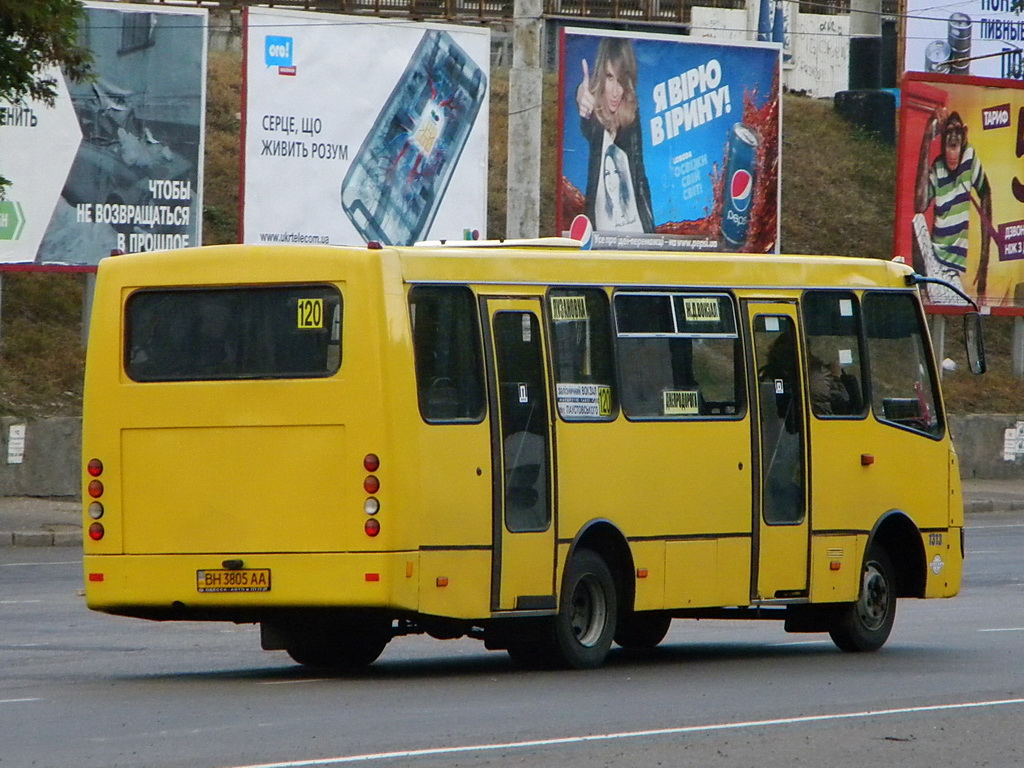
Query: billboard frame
{"points": [[902, 215]]}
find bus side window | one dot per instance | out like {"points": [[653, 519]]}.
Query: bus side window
{"points": [[581, 344], [835, 379], [903, 390], [678, 355], [446, 345]]}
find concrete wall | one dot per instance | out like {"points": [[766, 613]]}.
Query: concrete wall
{"points": [[990, 446], [51, 456]]}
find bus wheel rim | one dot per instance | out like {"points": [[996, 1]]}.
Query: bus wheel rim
{"points": [[588, 612], [873, 605]]}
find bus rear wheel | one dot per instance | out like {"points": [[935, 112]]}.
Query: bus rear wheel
{"points": [[585, 624], [339, 649], [642, 631], [865, 625]]}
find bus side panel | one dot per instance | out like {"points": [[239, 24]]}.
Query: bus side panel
{"points": [[862, 469], [452, 499], [835, 567], [655, 478], [882, 468], [708, 573], [666, 479], [649, 559], [454, 584], [910, 473], [956, 495], [944, 563], [837, 476]]}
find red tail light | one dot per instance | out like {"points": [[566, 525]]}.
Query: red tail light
{"points": [[372, 527], [96, 531], [371, 463], [371, 484], [95, 488], [94, 467]]}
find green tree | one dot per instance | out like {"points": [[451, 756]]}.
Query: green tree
{"points": [[36, 35]]}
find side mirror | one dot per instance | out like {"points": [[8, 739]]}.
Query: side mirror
{"points": [[974, 341]]}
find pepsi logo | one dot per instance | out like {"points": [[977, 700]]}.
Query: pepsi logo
{"points": [[581, 229], [741, 189]]}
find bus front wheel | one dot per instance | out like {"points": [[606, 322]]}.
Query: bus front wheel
{"points": [[585, 623], [865, 625]]}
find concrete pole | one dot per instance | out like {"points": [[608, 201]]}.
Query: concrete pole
{"points": [[939, 339], [1018, 347], [525, 88]]}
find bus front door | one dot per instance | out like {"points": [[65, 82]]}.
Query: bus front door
{"points": [[781, 530], [523, 566]]}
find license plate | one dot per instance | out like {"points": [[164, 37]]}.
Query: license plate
{"points": [[223, 580]]}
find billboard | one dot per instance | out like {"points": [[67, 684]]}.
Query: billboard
{"points": [[668, 142], [965, 37], [960, 186], [360, 129], [117, 162]]}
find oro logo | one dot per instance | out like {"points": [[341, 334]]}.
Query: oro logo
{"points": [[277, 51], [741, 189]]}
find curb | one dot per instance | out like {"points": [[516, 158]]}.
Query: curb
{"points": [[990, 505], [28, 539]]}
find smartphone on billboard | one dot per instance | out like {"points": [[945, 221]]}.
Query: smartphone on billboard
{"points": [[398, 177]]}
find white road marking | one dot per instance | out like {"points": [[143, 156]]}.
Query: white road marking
{"points": [[18, 565], [993, 527], [295, 682], [16, 701], [573, 740], [18, 602], [1003, 629], [801, 642]]}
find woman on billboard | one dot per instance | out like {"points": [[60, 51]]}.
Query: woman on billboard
{"points": [[618, 195]]}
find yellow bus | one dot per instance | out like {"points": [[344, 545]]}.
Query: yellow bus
{"points": [[547, 449]]}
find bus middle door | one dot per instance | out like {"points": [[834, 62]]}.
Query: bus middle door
{"points": [[523, 566], [781, 528]]}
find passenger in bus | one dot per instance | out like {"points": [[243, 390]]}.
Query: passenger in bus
{"points": [[833, 392]]}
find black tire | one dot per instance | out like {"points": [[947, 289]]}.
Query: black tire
{"points": [[531, 655], [865, 625], [339, 649], [585, 625], [642, 631]]}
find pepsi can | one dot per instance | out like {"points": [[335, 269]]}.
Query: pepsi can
{"points": [[740, 177]]}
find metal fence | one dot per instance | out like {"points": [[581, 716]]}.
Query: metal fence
{"points": [[663, 11]]}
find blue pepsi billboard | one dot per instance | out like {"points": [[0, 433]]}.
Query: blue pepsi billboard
{"points": [[669, 142]]}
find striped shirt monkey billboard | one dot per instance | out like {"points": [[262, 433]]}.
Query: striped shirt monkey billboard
{"points": [[960, 186]]}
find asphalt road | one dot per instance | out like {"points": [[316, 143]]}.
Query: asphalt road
{"points": [[82, 689]]}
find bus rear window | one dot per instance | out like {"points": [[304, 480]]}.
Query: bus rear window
{"points": [[238, 333]]}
